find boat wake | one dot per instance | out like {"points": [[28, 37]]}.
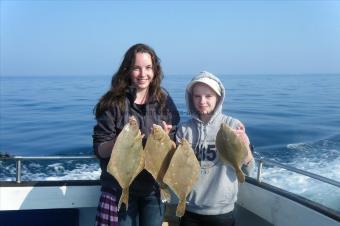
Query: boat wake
{"points": [[321, 158]]}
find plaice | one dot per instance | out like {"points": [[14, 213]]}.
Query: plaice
{"points": [[127, 158], [182, 174], [159, 150], [232, 150]]}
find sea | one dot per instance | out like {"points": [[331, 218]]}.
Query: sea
{"points": [[291, 119]]}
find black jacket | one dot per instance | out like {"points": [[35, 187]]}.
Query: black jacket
{"points": [[112, 121]]}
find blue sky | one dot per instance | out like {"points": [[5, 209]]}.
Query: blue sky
{"points": [[46, 38]]}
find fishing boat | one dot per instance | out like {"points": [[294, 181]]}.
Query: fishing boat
{"points": [[74, 202]]}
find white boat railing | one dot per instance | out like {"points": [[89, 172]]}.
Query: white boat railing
{"points": [[261, 162], [19, 159]]}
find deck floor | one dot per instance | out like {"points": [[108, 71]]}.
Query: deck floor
{"points": [[243, 217]]}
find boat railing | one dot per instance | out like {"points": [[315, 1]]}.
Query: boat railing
{"points": [[18, 161], [261, 162]]}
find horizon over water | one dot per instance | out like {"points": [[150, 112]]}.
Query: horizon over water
{"points": [[292, 119]]}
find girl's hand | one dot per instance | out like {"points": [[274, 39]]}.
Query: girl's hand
{"points": [[166, 127], [241, 133]]}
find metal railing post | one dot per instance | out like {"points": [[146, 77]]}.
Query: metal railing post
{"points": [[259, 170], [18, 173]]}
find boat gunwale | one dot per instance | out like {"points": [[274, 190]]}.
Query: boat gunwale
{"points": [[54, 183], [331, 213]]}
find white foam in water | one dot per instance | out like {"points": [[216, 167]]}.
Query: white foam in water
{"points": [[313, 159], [56, 167], [87, 173], [57, 171]]}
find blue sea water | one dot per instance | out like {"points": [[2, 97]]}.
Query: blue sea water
{"points": [[293, 119]]}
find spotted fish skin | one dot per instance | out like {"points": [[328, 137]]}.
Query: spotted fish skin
{"points": [[182, 174], [232, 150], [159, 149], [127, 158]]}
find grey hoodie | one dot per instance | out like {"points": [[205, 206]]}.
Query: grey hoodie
{"points": [[217, 187]]}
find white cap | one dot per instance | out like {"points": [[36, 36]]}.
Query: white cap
{"points": [[209, 82]]}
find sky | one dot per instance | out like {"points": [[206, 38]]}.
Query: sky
{"points": [[85, 38]]}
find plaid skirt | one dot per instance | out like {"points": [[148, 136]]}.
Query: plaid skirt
{"points": [[107, 211]]}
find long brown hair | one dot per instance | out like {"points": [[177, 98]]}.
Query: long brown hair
{"points": [[121, 80]]}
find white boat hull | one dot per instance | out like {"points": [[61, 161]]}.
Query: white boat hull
{"points": [[256, 205]]}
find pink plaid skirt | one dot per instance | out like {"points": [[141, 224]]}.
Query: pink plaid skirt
{"points": [[107, 211]]}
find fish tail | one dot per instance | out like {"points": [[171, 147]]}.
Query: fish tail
{"points": [[180, 208], [240, 176], [124, 198]]}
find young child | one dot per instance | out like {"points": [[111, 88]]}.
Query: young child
{"points": [[212, 199]]}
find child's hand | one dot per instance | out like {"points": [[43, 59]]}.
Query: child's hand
{"points": [[241, 133]]}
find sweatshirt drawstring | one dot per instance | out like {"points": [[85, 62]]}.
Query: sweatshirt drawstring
{"points": [[197, 148], [201, 144]]}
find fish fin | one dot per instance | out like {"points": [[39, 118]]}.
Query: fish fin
{"points": [[112, 170], [240, 175], [124, 198], [110, 166], [165, 193], [180, 208]]}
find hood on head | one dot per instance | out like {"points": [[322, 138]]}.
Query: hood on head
{"points": [[214, 83]]}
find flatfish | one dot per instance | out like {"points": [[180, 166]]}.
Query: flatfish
{"points": [[159, 150], [182, 174], [127, 158], [231, 149]]}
